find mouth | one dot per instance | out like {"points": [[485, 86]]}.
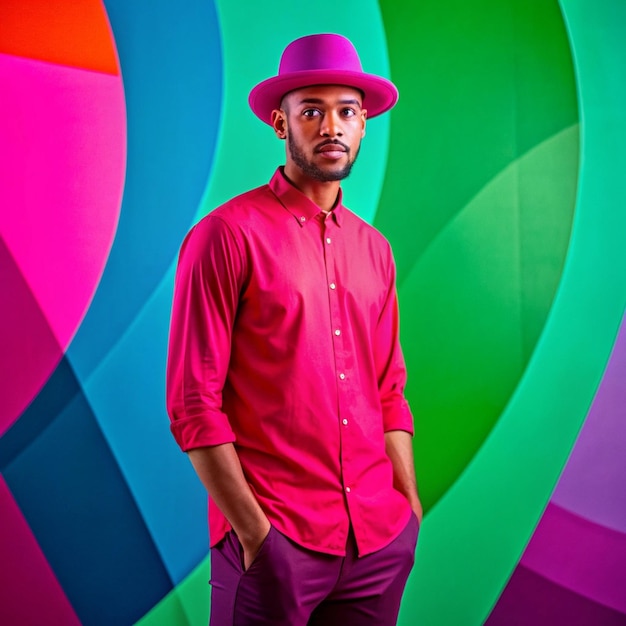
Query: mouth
{"points": [[332, 150]]}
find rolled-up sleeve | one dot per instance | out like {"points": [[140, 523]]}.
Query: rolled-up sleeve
{"points": [[206, 294], [391, 369]]}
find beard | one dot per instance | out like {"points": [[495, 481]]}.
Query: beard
{"points": [[313, 171]]}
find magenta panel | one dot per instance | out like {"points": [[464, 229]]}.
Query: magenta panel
{"points": [[29, 349], [28, 586], [531, 600], [580, 556], [61, 173]]}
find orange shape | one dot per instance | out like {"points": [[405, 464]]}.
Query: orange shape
{"points": [[74, 33]]}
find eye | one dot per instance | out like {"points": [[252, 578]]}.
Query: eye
{"points": [[348, 112], [311, 112]]}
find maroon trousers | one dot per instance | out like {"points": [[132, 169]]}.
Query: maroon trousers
{"points": [[287, 585]]}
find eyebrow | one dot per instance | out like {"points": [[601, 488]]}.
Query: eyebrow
{"points": [[321, 101]]}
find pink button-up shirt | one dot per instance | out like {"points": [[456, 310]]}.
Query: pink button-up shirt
{"points": [[284, 340]]}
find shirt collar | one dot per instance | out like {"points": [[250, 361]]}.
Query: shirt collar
{"points": [[299, 205]]}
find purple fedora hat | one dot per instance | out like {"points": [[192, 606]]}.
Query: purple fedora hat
{"points": [[325, 59]]}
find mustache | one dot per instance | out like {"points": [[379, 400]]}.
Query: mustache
{"points": [[331, 142]]}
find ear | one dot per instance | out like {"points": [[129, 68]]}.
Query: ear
{"points": [[364, 120], [279, 123]]}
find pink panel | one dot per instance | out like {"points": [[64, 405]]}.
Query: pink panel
{"points": [[29, 349], [61, 173], [581, 556], [29, 591]]}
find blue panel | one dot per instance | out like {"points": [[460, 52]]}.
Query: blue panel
{"points": [[134, 421], [172, 69], [79, 508]]}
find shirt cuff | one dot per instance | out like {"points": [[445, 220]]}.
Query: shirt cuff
{"points": [[398, 417], [202, 431]]}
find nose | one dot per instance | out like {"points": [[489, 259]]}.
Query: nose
{"points": [[331, 125]]}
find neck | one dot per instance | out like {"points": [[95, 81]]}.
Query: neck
{"points": [[323, 194]]}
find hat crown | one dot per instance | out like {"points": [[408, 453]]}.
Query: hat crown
{"points": [[320, 52], [322, 59]]}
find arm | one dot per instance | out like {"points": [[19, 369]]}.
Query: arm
{"points": [[400, 451], [397, 417], [219, 470], [206, 296]]}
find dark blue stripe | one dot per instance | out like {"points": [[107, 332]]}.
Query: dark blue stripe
{"points": [[76, 501], [56, 394]]}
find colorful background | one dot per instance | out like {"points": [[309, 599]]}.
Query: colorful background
{"points": [[499, 179]]}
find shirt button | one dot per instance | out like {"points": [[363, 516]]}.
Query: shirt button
{"points": [[337, 332], [347, 489], [303, 219], [333, 286], [344, 421], [327, 239], [342, 376]]}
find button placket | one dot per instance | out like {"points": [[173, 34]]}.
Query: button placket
{"points": [[330, 239]]}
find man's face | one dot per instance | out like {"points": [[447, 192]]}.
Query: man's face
{"points": [[323, 126]]}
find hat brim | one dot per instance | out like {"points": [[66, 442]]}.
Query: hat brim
{"points": [[379, 94]]}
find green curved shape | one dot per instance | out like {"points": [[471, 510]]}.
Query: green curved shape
{"points": [[475, 303], [483, 84], [253, 38], [480, 84], [472, 539]]}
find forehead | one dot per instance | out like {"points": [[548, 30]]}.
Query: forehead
{"points": [[330, 94]]}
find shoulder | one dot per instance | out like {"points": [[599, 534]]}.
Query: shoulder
{"points": [[244, 204], [240, 207], [366, 230], [229, 217]]}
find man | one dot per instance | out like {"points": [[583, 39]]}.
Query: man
{"points": [[285, 376]]}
